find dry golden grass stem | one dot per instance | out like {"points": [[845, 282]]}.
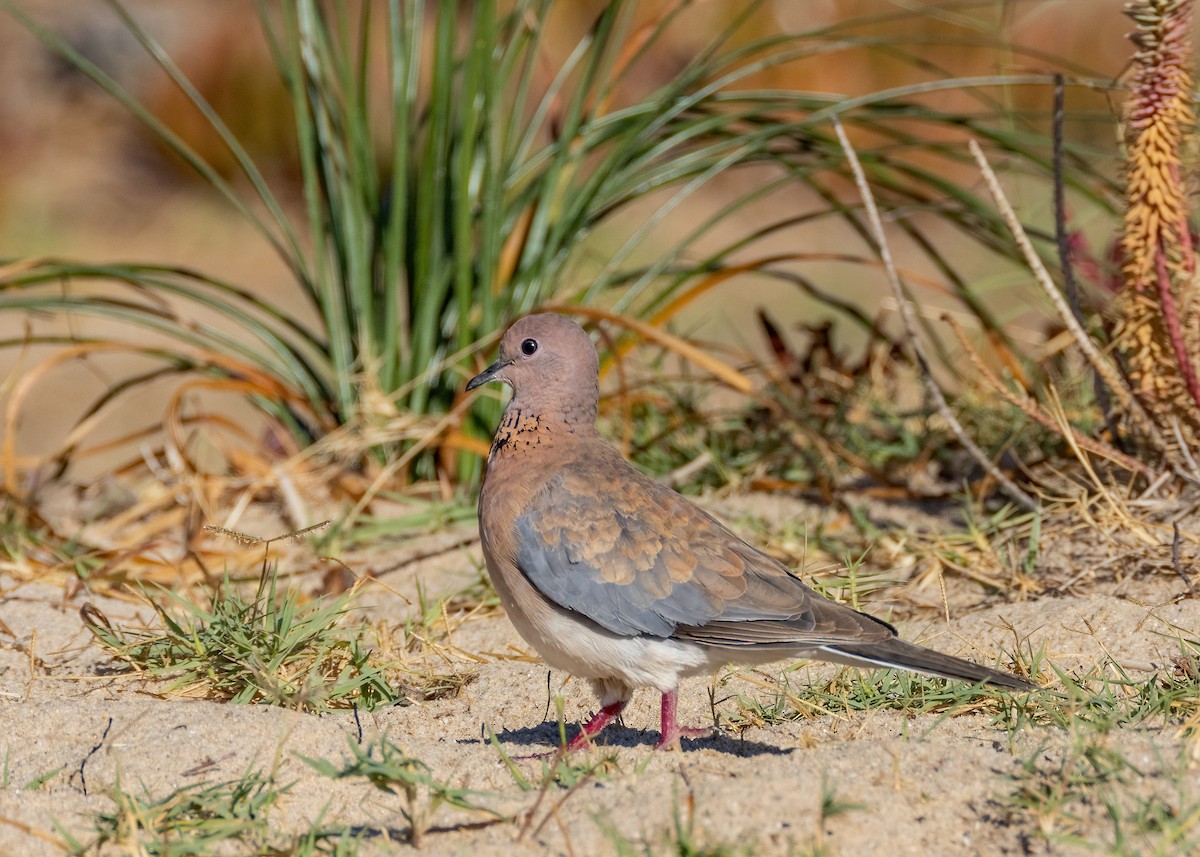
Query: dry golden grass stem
{"points": [[1103, 367], [54, 841], [914, 341], [685, 297], [445, 423], [245, 380], [1177, 564], [1103, 490], [1028, 406]]}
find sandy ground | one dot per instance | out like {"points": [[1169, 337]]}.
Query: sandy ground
{"points": [[919, 784]]}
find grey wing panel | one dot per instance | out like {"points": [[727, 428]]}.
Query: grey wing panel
{"points": [[625, 554], [577, 585], [636, 558]]}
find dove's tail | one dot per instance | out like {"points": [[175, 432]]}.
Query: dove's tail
{"points": [[899, 654]]}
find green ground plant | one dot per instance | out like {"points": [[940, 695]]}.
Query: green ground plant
{"points": [[201, 819], [275, 646], [269, 649], [191, 821], [1093, 795], [390, 769]]}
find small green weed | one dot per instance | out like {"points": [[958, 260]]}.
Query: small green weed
{"points": [[1102, 703], [1050, 783], [1091, 795], [270, 648], [319, 841], [195, 820], [851, 691], [391, 770], [832, 805], [40, 780]]}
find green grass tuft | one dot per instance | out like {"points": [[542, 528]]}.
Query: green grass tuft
{"points": [[390, 769], [194, 820], [1093, 795], [271, 648]]}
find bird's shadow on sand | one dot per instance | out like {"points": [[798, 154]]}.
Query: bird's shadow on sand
{"points": [[545, 737]]}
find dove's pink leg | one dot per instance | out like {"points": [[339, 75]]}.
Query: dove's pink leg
{"points": [[671, 730], [600, 719]]}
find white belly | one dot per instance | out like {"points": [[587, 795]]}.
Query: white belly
{"points": [[569, 642]]}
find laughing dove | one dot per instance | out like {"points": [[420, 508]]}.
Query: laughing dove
{"points": [[617, 579]]}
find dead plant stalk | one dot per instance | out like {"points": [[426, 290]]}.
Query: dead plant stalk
{"points": [[910, 328]]}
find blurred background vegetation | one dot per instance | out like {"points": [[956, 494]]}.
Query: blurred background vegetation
{"points": [[289, 231]]}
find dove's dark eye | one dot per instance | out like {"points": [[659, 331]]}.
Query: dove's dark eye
{"points": [[529, 346]]}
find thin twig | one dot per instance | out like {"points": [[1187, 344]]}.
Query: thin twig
{"points": [[1177, 564], [1154, 486], [910, 326], [1070, 286], [680, 475], [551, 768], [108, 726], [1183, 448], [1103, 368], [1060, 204]]}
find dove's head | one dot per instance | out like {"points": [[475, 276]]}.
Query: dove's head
{"points": [[552, 367]]}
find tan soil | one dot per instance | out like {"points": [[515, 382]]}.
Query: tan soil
{"points": [[924, 785]]}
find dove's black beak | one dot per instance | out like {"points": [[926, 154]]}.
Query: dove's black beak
{"points": [[488, 374]]}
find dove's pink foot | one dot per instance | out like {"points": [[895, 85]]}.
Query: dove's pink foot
{"points": [[671, 730], [600, 719]]}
